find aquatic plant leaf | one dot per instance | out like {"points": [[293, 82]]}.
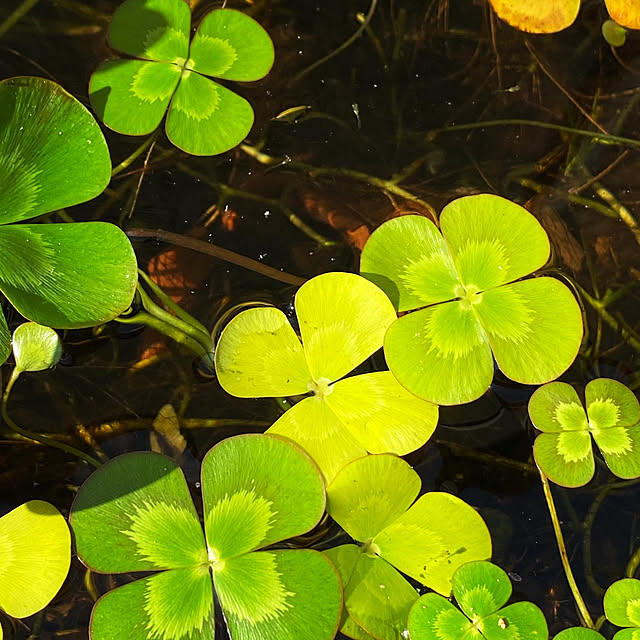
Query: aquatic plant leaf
{"points": [[259, 355], [231, 45], [433, 617], [131, 96], [610, 404], [518, 620], [438, 534], [556, 407], [537, 16], [579, 633], [381, 414], [377, 598], [620, 448], [441, 354], [371, 493], [172, 605], [152, 29], [206, 118], [565, 458], [409, 260], [486, 235], [35, 547], [622, 603], [52, 152], [35, 347], [280, 595], [481, 588], [343, 318], [140, 504], [258, 490], [614, 34], [312, 425], [48, 272], [5, 339], [624, 12], [534, 328]]}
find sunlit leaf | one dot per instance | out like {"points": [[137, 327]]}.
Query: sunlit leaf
{"points": [[35, 547], [35, 347], [556, 407], [343, 319], [409, 260], [624, 12], [206, 118], [537, 16], [280, 595], [259, 354], [481, 588], [49, 272], [370, 494], [131, 96], [622, 603], [152, 29], [52, 152], [311, 424], [565, 458], [231, 45], [579, 633], [611, 404], [140, 504], [441, 354], [5, 339], [518, 620], [433, 617], [172, 605]]}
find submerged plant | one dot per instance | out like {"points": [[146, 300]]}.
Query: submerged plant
{"points": [[372, 499], [481, 590], [169, 72], [53, 155], [135, 513], [35, 547], [467, 300], [564, 450], [343, 318], [622, 607]]}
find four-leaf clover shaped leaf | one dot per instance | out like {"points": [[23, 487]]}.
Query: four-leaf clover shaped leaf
{"points": [[622, 607], [53, 155], [135, 513], [343, 319], [372, 499], [36, 554], [463, 286], [564, 450], [481, 590], [205, 118]]}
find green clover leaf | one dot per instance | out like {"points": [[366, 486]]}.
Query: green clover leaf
{"points": [[481, 590], [563, 450], [579, 633], [135, 513], [372, 499], [131, 96], [622, 607], [462, 285], [53, 155], [343, 318]]}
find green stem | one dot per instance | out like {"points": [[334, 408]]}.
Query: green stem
{"points": [[20, 11], [582, 607], [632, 565], [129, 160], [38, 437]]}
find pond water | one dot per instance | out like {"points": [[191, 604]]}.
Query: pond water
{"points": [[374, 138]]}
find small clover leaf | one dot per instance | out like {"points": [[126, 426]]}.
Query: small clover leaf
{"points": [[564, 451], [467, 300], [53, 155], [579, 633], [35, 547], [135, 513], [481, 590], [131, 96], [622, 607], [35, 347], [372, 499], [343, 319]]}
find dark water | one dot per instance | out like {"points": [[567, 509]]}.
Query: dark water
{"points": [[420, 66]]}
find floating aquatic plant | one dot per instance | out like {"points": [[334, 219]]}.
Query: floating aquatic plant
{"points": [[343, 319], [463, 285], [372, 499], [481, 590], [135, 513], [204, 118], [621, 606], [53, 155], [579, 633], [564, 450]]}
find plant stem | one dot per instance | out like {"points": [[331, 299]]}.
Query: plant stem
{"points": [[129, 160], [582, 607], [41, 439], [16, 14]]}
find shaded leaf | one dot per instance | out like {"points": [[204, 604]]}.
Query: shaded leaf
{"points": [[5, 339], [166, 436], [35, 347]]}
